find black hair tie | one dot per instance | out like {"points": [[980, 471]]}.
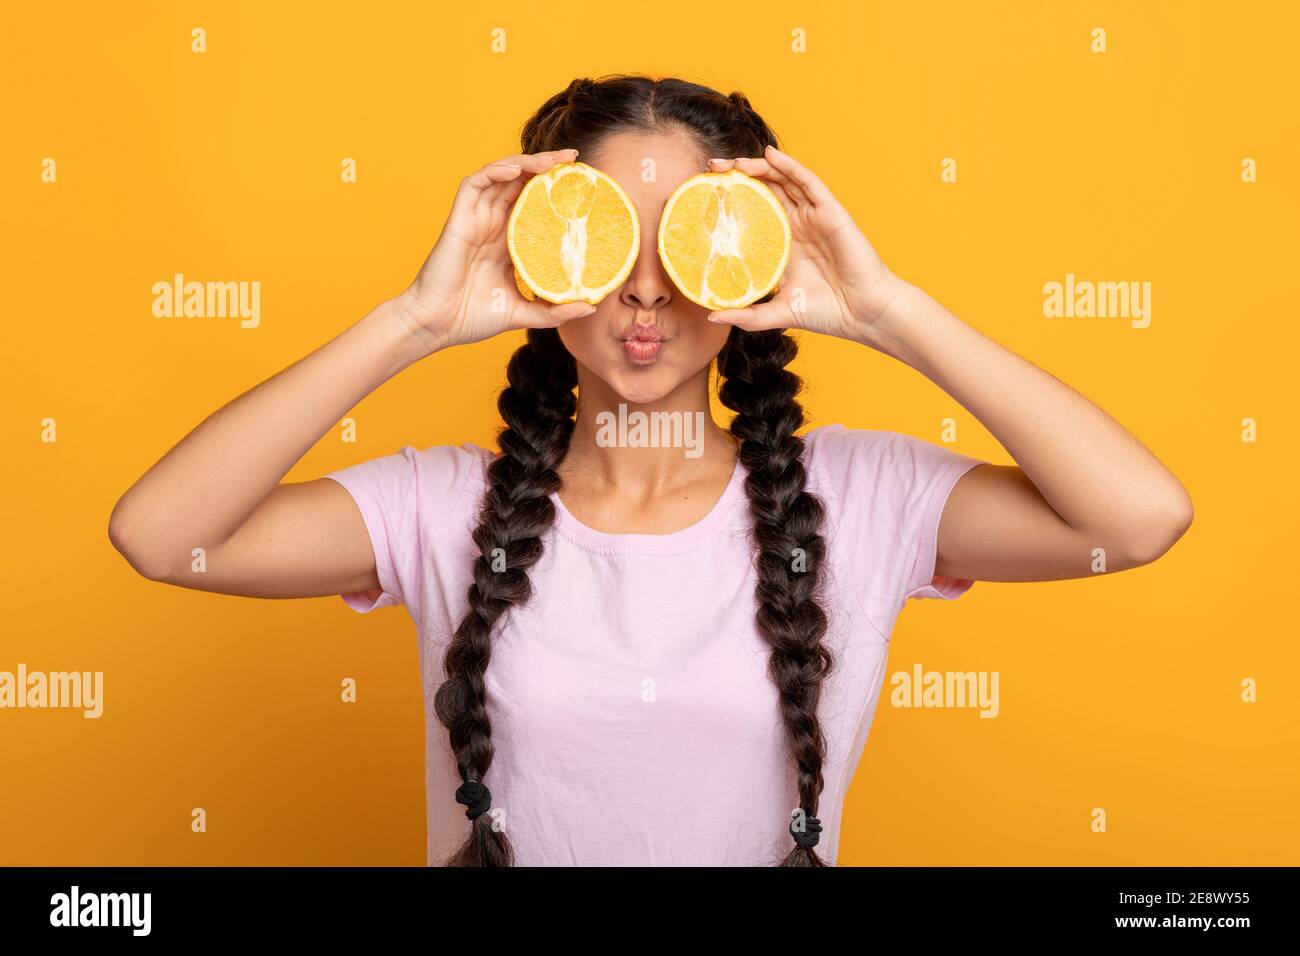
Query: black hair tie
{"points": [[807, 837], [475, 797]]}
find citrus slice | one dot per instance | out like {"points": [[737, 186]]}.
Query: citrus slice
{"points": [[573, 234], [526, 292], [724, 239]]}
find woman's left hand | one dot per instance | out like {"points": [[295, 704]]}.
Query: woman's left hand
{"points": [[834, 283]]}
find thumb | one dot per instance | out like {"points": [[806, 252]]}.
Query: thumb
{"points": [[543, 315], [755, 318]]}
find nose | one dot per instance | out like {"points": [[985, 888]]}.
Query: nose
{"points": [[648, 288]]}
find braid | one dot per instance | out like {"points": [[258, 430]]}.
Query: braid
{"points": [[787, 521], [537, 406], [553, 123], [749, 119]]}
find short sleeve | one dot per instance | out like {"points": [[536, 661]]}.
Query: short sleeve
{"points": [[887, 492], [406, 499]]}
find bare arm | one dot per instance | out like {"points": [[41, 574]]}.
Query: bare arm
{"points": [[1081, 481], [220, 488]]}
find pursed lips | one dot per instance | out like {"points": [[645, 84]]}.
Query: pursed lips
{"points": [[643, 343]]}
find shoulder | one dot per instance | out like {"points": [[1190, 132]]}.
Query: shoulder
{"points": [[452, 470], [884, 493], [437, 482], [412, 502], [876, 479], [835, 454]]}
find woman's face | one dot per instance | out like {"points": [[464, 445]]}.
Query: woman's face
{"points": [[645, 339]]}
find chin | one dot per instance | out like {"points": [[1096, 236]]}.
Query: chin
{"points": [[642, 385]]}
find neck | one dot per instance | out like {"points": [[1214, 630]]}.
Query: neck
{"points": [[645, 449]]}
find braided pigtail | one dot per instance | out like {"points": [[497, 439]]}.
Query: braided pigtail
{"points": [[537, 406], [759, 388], [747, 118]]}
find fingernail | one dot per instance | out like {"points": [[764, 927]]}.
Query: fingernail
{"points": [[585, 312]]}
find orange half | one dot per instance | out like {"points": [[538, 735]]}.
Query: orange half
{"points": [[724, 239], [573, 235]]}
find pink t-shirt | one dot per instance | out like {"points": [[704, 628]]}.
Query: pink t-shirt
{"points": [[633, 717]]}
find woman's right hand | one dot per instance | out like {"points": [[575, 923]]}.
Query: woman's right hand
{"points": [[465, 291]]}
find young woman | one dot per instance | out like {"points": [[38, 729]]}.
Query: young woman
{"points": [[651, 657]]}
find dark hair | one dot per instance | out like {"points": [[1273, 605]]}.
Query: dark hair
{"points": [[538, 406]]}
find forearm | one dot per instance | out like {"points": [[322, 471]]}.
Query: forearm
{"points": [[202, 490], [1096, 475]]}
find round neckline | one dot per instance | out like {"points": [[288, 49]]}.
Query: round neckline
{"points": [[609, 542]]}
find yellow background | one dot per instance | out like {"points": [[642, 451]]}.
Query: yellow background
{"points": [[1120, 692]]}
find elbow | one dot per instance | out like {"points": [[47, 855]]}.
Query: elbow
{"points": [[1161, 532], [126, 540]]}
